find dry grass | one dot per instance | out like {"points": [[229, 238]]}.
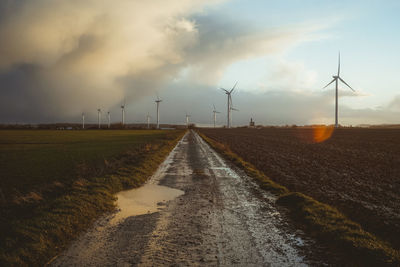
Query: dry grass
{"points": [[333, 228]]}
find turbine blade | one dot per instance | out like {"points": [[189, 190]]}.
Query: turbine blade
{"points": [[223, 89], [233, 88], [235, 109], [346, 84], [214, 106], [338, 71], [329, 83]]}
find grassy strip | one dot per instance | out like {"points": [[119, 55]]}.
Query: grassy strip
{"points": [[34, 240], [319, 220]]}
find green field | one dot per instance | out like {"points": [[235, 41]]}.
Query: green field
{"points": [[53, 184], [31, 159]]}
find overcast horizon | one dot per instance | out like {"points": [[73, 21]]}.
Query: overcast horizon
{"points": [[62, 58]]}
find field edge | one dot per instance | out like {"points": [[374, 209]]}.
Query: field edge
{"points": [[55, 225], [323, 222]]}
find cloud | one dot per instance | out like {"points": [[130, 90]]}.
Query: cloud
{"points": [[394, 105], [288, 76], [64, 57], [61, 58], [224, 41]]}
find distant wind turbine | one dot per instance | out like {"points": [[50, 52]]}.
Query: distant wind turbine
{"points": [[336, 79], [148, 120], [187, 120], [83, 120], [158, 111], [229, 108], [98, 116], [123, 113], [109, 119], [215, 115]]}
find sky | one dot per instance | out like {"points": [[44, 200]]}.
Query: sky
{"points": [[62, 58]]}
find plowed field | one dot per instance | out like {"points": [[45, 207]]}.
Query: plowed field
{"points": [[356, 170]]}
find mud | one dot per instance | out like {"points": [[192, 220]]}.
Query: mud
{"points": [[222, 219]]}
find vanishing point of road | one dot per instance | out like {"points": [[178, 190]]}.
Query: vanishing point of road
{"points": [[206, 212]]}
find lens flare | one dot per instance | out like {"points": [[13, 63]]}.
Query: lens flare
{"points": [[322, 133]]}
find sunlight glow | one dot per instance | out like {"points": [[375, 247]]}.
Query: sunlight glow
{"points": [[322, 133]]}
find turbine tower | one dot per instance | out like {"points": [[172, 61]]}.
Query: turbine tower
{"points": [[109, 119], [158, 111], [83, 120], [98, 116], [123, 113], [187, 120], [336, 79], [229, 108], [215, 115], [148, 120]]}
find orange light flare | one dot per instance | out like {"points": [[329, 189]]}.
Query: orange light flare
{"points": [[322, 133], [314, 134]]}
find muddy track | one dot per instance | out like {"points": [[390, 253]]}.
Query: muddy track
{"points": [[222, 218]]}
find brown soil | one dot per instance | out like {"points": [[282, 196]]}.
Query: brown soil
{"points": [[356, 170]]}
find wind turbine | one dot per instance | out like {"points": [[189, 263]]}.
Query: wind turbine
{"points": [[187, 120], [123, 113], [215, 115], [109, 119], [83, 120], [229, 104], [158, 111], [148, 120], [98, 116], [336, 79]]}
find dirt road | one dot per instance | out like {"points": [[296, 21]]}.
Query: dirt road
{"points": [[214, 215]]}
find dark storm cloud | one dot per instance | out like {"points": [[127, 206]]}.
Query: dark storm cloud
{"points": [[21, 92]]}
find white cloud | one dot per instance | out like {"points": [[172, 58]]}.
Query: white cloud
{"points": [[394, 105]]}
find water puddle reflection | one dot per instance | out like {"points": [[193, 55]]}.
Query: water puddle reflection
{"points": [[143, 200]]}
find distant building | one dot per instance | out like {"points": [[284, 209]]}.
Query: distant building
{"points": [[252, 123]]}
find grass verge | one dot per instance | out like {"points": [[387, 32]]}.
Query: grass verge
{"points": [[41, 228], [319, 220]]}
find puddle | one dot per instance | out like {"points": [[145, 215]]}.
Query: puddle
{"points": [[143, 200]]}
